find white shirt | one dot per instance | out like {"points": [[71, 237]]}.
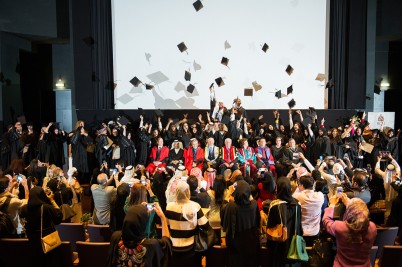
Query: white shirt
{"points": [[311, 203]]}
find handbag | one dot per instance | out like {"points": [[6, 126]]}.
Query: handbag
{"points": [[279, 232], [51, 241], [204, 239], [66, 210], [297, 249], [378, 206]]}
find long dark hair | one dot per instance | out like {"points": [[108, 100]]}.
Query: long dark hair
{"points": [[219, 187]]}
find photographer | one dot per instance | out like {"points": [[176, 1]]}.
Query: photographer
{"points": [[358, 186]]}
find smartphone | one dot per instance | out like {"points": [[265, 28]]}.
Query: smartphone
{"points": [[235, 185], [339, 190], [150, 206], [144, 182], [19, 178], [130, 184], [321, 158], [114, 171], [262, 171], [183, 178]]}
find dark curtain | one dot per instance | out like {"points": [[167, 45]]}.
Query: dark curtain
{"points": [[103, 52], [347, 50]]}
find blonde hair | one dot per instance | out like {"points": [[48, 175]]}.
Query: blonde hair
{"points": [[356, 218]]}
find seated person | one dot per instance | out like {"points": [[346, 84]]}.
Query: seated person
{"points": [[358, 187], [130, 247], [211, 154], [228, 157], [197, 194], [159, 156], [176, 154], [247, 159], [265, 158], [291, 157], [194, 156]]}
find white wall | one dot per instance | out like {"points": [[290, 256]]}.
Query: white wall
{"points": [[294, 30]]}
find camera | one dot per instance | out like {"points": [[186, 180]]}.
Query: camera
{"points": [[262, 171]]}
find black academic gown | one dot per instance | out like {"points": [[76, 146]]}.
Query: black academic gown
{"points": [[55, 150], [79, 151]]}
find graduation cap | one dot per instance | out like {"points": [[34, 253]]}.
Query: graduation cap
{"points": [[219, 82], [225, 61], [360, 114], [292, 103], [248, 91], [265, 47], [256, 86], [289, 90], [330, 84], [182, 47], [377, 89], [149, 86], [198, 5], [278, 94], [311, 113], [187, 75], [159, 113], [320, 77], [307, 121], [289, 70], [212, 85], [227, 45], [135, 81], [190, 88], [123, 120]]}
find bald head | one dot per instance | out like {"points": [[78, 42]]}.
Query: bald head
{"points": [[102, 178]]}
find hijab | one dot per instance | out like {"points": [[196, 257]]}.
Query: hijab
{"points": [[242, 193], [37, 197], [134, 225], [284, 191]]}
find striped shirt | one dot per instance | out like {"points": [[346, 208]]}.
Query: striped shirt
{"points": [[182, 231]]}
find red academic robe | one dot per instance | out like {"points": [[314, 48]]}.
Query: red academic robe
{"points": [[188, 158], [163, 157]]}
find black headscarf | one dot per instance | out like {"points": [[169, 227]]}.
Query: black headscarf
{"points": [[134, 225], [284, 191], [123, 190], [37, 197], [242, 193]]}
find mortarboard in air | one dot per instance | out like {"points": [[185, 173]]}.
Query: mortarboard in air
{"points": [[306, 121], [190, 88], [320, 77], [159, 113], [265, 47], [278, 94], [289, 70], [149, 86], [360, 114], [212, 85], [292, 103], [311, 113], [330, 84], [123, 120], [182, 47], [289, 90], [219, 81], [135, 81], [187, 75], [377, 89], [256, 86], [198, 5], [227, 45], [248, 91], [225, 61]]}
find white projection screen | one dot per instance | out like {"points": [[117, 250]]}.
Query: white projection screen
{"points": [[146, 34]]}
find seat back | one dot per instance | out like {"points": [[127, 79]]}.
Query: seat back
{"points": [[385, 237], [66, 254], [93, 254], [391, 256], [11, 251], [216, 256], [373, 254], [99, 233], [71, 232], [217, 231], [264, 256]]}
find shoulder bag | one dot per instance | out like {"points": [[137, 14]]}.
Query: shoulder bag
{"points": [[279, 232], [51, 241], [297, 250]]}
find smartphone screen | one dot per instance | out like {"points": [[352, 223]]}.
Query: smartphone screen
{"points": [[150, 206]]}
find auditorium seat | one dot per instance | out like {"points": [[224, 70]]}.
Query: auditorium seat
{"points": [[99, 233], [385, 237], [263, 256], [391, 256], [217, 231], [17, 252], [92, 253], [216, 256], [71, 232], [373, 254]]}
